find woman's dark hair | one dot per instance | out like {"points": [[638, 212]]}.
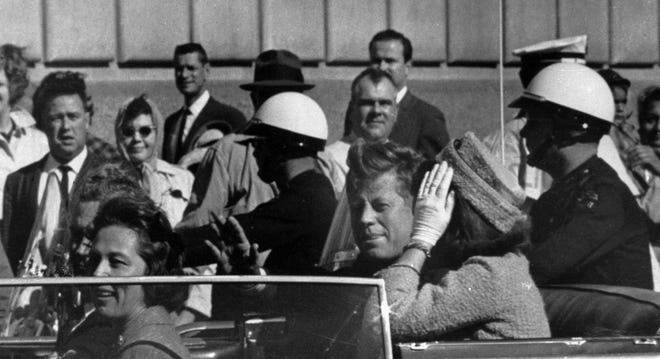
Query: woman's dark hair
{"points": [[139, 106], [469, 234], [160, 248]]}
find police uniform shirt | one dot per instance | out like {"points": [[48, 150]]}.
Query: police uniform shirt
{"points": [[294, 225], [587, 228]]}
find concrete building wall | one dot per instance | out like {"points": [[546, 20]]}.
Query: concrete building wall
{"points": [[125, 46]]}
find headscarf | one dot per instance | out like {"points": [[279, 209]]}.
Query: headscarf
{"points": [[148, 167]]}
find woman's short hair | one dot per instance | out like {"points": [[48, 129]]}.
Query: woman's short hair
{"points": [[138, 106], [159, 247], [367, 161], [15, 66]]}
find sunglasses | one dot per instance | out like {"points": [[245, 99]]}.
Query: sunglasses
{"points": [[144, 131]]}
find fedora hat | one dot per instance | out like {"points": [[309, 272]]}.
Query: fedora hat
{"points": [[277, 68]]}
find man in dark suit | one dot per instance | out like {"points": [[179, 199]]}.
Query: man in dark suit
{"points": [[63, 111], [419, 124], [202, 120]]}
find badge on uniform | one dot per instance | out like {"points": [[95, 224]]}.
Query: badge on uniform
{"points": [[588, 199]]}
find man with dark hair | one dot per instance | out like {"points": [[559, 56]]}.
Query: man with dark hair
{"points": [[63, 111], [419, 125], [226, 182], [289, 130], [509, 145], [380, 192], [373, 114], [21, 90], [372, 111], [202, 120]]}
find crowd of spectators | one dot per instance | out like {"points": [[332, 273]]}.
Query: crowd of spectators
{"points": [[461, 241]]}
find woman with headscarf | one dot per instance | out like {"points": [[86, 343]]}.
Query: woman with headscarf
{"points": [[169, 186], [138, 139], [467, 211]]}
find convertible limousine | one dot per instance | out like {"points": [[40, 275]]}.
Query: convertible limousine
{"points": [[327, 317]]}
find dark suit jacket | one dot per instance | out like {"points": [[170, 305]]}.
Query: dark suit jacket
{"points": [[214, 115], [20, 204], [420, 125]]}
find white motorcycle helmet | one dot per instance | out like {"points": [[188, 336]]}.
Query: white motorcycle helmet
{"points": [[293, 119], [571, 86]]}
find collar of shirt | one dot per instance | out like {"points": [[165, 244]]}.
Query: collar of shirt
{"points": [[21, 121], [52, 164], [75, 164], [196, 107], [400, 94]]}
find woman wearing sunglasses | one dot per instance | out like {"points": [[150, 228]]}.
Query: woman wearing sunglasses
{"points": [[137, 135], [169, 186]]}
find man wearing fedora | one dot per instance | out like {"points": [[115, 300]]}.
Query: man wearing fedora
{"points": [[202, 119], [226, 182]]}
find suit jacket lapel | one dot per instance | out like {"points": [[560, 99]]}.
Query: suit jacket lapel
{"points": [[172, 135], [31, 183], [405, 129], [88, 164], [199, 121]]}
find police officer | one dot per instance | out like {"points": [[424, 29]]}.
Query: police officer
{"points": [[290, 129], [587, 228], [533, 59]]}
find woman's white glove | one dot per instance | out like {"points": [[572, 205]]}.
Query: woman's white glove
{"points": [[434, 205]]}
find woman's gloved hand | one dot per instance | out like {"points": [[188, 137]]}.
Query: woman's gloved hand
{"points": [[434, 205]]}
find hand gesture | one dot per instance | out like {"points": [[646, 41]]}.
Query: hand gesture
{"points": [[240, 257], [434, 205], [645, 157]]}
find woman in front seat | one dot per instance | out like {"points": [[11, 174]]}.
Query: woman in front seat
{"points": [[132, 237], [477, 233]]}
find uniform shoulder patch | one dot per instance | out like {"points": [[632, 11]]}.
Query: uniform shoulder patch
{"points": [[587, 199]]}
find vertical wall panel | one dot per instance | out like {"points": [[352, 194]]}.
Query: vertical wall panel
{"points": [[296, 25], [527, 22], [587, 17], [80, 30], [150, 29], [351, 24], [473, 30], [228, 29], [634, 31], [424, 22], [21, 25]]}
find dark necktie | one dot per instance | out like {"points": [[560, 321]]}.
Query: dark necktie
{"points": [[64, 185], [184, 119]]}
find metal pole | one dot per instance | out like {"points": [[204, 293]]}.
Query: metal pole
{"points": [[501, 66]]}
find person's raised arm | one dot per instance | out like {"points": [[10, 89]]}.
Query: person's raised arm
{"points": [[433, 209]]}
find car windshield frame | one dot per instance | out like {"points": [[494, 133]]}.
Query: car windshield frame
{"points": [[45, 343]]}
